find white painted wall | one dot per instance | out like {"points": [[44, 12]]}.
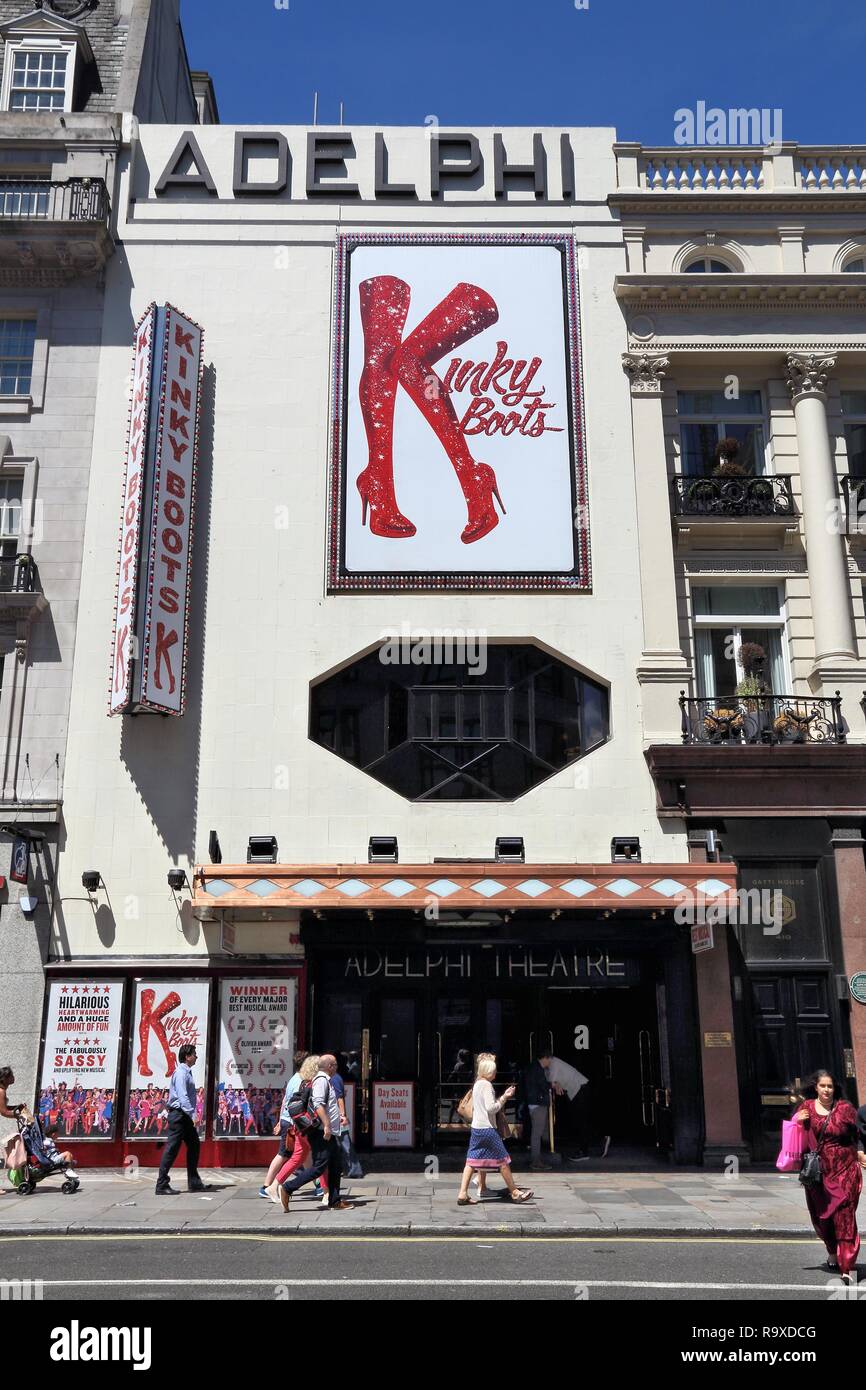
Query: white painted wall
{"points": [[143, 793]]}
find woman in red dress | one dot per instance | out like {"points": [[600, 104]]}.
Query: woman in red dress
{"points": [[832, 1203]]}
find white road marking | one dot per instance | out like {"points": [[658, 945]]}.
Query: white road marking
{"points": [[431, 1283]]}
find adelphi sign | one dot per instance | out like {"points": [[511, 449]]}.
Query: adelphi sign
{"points": [[319, 164]]}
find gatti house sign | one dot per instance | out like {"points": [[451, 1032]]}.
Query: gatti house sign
{"points": [[320, 164]]}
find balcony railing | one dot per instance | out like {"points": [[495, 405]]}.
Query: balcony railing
{"points": [[742, 168], [853, 494], [733, 497], [18, 575], [749, 719], [75, 200]]}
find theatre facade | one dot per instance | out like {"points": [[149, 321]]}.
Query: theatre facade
{"points": [[441, 685]]}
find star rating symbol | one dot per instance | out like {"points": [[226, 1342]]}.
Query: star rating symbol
{"points": [[65, 989]]}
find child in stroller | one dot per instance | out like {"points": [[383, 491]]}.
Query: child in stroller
{"points": [[43, 1158]]}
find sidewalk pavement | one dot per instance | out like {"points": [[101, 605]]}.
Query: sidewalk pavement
{"points": [[663, 1201]]}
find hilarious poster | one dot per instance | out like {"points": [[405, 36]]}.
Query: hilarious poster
{"points": [[458, 443], [78, 1085]]}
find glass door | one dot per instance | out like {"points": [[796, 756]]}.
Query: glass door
{"points": [[454, 1061]]}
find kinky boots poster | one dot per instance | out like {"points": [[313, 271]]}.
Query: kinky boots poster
{"points": [[166, 1014], [458, 457]]}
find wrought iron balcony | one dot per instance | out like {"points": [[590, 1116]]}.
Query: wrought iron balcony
{"points": [[763, 496], [21, 598], [18, 575], [52, 232], [853, 494], [755, 719]]}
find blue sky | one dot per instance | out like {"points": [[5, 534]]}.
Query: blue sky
{"points": [[500, 62]]}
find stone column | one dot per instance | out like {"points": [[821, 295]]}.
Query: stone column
{"points": [[836, 662], [848, 853], [663, 670]]}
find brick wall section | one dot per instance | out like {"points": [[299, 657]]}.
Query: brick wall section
{"points": [[107, 35]]}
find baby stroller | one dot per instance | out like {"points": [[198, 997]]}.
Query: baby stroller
{"points": [[39, 1164]]}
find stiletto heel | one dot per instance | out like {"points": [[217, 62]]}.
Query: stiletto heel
{"points": [[480, 487], [378, 498]]}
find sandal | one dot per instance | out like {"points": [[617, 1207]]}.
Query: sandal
{"points": [[522, 1194], [467, 1201]]}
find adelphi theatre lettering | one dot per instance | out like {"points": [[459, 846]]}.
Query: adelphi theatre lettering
{"points": [[330, 160], [515, 964]]}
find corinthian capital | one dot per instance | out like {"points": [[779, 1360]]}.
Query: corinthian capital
{"points": [[807, 374], [645, 372]]}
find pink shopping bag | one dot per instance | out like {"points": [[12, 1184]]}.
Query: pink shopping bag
{"points": [[795, 1142]]}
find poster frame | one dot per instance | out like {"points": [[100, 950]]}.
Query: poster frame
{"points": [[46, 1010], [157, 981], [223, 982], [340, 579]]}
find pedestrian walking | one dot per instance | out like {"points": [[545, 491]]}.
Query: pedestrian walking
{"points": [[181, 1125], [324, 1137], [832, 1199], [535, 1088], [486, 1149], [284, 1127], [296, 1146], [8, 1112]]}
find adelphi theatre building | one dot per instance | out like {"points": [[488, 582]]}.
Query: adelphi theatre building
{"points": [[464, 659]]}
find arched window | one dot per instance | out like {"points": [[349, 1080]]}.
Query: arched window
{"points": [[707, 265], [855, 267]]}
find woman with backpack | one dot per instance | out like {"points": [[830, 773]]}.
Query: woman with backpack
{"points": [[294, 1147], [486, 1149], [832, 1193]]}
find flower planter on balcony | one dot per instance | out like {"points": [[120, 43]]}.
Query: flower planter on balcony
{"points": [[766, 719]]}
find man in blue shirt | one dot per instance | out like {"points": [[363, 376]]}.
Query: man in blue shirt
{"points": [[181, 1125]]}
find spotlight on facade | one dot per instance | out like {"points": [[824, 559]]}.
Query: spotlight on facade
{"points": [[382, 849], [510, 849], [625, 849], [177, 879], [90, 880], [262, 849]]}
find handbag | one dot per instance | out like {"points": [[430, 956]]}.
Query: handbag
{"points": [[810, 1170], [794, 1145], [465, 1108], [503, 1128]]}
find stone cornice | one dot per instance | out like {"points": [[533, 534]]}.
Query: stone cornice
{"points": [[724, 292], [684, 346], [644, 203]]}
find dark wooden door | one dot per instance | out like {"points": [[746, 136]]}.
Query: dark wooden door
{"points": [[794, 1030]]}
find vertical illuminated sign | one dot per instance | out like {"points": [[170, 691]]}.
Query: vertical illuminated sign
{"points": [[152, 611]]}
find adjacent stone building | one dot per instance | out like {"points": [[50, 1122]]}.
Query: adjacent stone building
{"points": [[75, 78]]}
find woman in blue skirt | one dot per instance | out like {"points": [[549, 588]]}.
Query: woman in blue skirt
{"points": [[486, 1149]]}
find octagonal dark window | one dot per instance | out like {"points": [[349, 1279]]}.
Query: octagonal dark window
{"points": [[445, 731]]}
